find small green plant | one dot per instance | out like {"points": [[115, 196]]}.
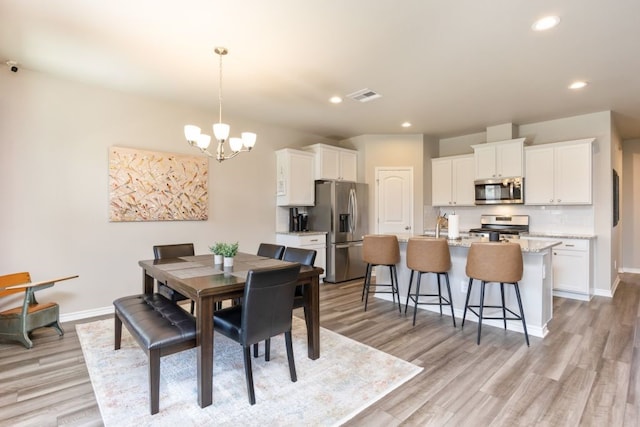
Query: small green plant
{"points": [[229, 250], [216, 248]]}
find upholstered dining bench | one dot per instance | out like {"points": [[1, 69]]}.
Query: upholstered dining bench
{"points": [[159, 326]]}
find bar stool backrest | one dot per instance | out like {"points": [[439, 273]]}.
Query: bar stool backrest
{"points": [[495, 262], [428, 255], [380, 249]]}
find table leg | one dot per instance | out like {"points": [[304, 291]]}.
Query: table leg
{"points": [[204, 341], [147, 282], [312, 317]]}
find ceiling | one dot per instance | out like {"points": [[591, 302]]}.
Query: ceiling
{"points": [[448, 67]]}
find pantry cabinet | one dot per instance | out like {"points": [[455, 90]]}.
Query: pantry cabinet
{"points": [[334, 162], [501, 159], [452, 181], [295, 178], [559, 173]]}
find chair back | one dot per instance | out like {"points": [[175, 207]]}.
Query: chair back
{"points": [[428, 255], [495, 262], [300, 255], [173, 251], [380, 249], [270, 250], [12, 280], [268, 302]]}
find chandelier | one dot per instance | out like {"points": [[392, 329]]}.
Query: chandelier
{"points": [[220, 130]]}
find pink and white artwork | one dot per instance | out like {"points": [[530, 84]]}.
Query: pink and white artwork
{"points": [[156, 186]]}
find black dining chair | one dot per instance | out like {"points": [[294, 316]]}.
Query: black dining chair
{"points": [[173, 251], [301, 256], [265, 312], [270, 250]]}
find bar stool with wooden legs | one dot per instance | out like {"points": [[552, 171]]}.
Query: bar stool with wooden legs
{"points": [[426, 255], [495, 262], [381, 250]]}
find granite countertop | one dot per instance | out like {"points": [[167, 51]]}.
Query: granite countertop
{"points": [[531, 246], [553, 235], [302, 233]]}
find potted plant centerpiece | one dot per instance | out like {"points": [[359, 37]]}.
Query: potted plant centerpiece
{"points": [[229, 250], [216, 250]]}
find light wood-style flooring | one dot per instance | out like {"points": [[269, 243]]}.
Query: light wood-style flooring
{"points": [[586, 372]]}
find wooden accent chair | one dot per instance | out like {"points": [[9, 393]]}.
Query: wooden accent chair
{"points": [[18, 322]]}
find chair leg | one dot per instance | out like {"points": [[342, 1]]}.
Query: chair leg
{"points": [[504, 309], [367, 284], [56, 325], [408, 291], [154, 380], [415, 306], [466, 304], [367, 277], [256, 347], [482, 285], [193, 306], [267, 349], [524, 324], [117, 337], [396, 288], [446, 276], [290, 359], [249, 374], [439, 293]]}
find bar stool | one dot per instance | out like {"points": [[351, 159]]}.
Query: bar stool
{"points": [[495, 262], [382, 250], [426, 255]]}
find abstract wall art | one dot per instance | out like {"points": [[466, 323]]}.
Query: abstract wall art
{"points": [[157, 186]]}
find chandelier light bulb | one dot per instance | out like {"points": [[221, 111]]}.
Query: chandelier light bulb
{"points": [[221, 131], [235, 144], [191, 132], [249, 139], [203, 141]]}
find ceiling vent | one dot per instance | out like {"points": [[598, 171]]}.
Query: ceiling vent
{"points": [[364, 95]]}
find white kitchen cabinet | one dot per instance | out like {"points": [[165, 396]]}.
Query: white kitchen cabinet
{"points": [[334, 162], [572, 268], [559, 173], [295, 179], [317, 241], [452, 181], [501, 159]]}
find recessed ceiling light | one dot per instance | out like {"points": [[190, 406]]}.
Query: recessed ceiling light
{"points": [[577, 84], [406, 125], [335, 100], [545, 23]]}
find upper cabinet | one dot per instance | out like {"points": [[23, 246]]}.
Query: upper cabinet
{"points": [[559, 173], [334, 162], [294, 174], [452, 181], [499, 159]]}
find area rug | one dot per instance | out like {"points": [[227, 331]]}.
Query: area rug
{"points": [[348, 377]]}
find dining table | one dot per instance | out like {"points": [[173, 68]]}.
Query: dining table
{"points": [[206, 283]]}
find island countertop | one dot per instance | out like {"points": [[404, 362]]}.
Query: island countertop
{"points": [[465, 242]]}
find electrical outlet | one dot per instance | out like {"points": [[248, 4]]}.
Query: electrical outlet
{"points": [[463, 286]]}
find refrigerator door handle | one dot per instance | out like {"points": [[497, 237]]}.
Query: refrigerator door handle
{"points": [[353, 210], [348, 245]]}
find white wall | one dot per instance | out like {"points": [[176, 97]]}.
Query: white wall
{"points": [[630, 208], [391, 150], [54, 140]]}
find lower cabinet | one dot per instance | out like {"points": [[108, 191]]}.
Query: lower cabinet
{"points": [[572, 268], [317, 241]]}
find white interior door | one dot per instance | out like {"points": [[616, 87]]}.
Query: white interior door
{"points": [[394, 200]]}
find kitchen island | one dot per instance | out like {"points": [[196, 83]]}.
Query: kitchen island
{"points": [[536, 286]]}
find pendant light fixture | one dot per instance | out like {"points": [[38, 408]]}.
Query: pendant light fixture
{"points": [[220, 130]]}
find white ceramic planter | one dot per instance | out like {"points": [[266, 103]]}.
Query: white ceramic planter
{"points": [[217, 259], [228, 261]]}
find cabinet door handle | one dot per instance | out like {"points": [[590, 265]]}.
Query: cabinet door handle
{"points": [[569, 245], [313, 240]]}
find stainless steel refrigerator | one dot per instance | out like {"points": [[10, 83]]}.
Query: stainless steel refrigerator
{"points": [[341, 211]]}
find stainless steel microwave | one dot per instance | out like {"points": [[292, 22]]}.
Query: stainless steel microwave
{"points": [[504, 191]]}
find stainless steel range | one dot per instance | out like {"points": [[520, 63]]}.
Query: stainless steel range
{"points": [[507, 226]]}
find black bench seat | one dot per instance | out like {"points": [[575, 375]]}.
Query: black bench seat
{"points": [[159, 326]]}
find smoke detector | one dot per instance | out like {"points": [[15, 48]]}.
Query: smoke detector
{"points": [[364, 95]]}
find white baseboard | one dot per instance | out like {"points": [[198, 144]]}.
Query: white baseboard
{"points": [[630, 270], [79, 315]]}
